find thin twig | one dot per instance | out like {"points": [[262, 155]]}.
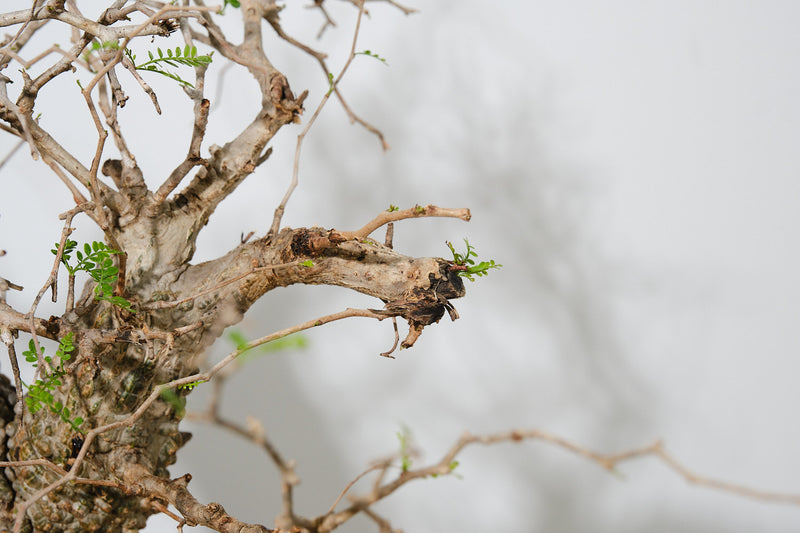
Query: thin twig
{"points": [[447, 464], [143, 84], [11, 153], [276, 221], [320, 57], [8, 340], [415, 212], [50, 283], [391, 350], [193, 158], [77, 196]]}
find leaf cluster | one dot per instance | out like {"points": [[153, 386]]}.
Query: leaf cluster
{"points": [[186, 56], [40, 393], [469, 269], [96, 260]]}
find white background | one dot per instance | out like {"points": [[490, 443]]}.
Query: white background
{"points": [[634, 166]]}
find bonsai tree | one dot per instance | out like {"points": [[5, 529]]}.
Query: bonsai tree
{"points": [[90, 439]]}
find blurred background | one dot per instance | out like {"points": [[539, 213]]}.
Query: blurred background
{"points": [[633, 165]]}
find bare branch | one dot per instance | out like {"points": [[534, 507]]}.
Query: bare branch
{"points": [[193, 157], [415, 212], [274, 21], [76, 194], [25, 32], [20, 121], [8, 339], [231, 164], [175, 492], [16, 321], [255, 433], [276, 221], [405, 10], [447, 464], [391, 350], [50, 284], [143, 84]]}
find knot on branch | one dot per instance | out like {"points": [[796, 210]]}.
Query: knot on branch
{"points": [[422, 306], [417, 289], [283, 98], [314, 243]]}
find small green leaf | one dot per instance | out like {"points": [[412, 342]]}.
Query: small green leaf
{"points": [[404, 436], [238, 339], [178, 403], [373, 55]]}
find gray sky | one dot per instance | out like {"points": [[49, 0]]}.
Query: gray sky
{"points": [[634, 166]]}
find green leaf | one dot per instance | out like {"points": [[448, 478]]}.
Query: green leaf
{"points": [[30, 353], [178, 403], [295, 340], [404, 436], [238, 339], [192, 385], [373, 55]]}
